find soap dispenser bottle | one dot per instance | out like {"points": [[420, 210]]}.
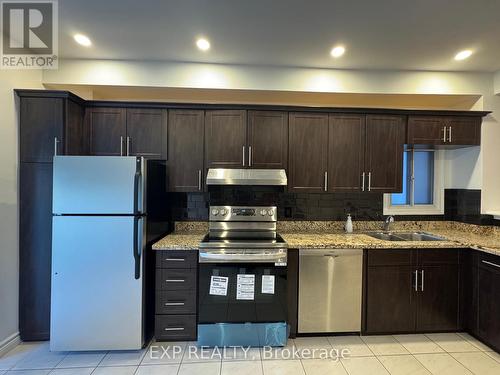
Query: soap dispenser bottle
{"points": [[348, 224]]}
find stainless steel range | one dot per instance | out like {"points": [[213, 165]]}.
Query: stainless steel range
{"points": [[242, 279]]}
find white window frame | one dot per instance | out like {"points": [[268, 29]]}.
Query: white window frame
{"points": [[437, 208]]}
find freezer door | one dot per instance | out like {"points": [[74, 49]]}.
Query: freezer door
{"points": [[98, 185], [97, 299]]}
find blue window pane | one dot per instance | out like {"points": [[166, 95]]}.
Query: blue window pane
{"points": [[424, 177], [403, 198]]}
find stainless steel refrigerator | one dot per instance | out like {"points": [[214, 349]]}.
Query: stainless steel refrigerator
{"points": [[98, 293]]}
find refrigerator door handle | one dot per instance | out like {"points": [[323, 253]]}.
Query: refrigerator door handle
{"points": [[137, 178], [137, 246]]}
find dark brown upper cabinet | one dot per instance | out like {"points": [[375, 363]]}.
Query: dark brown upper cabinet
{"points": [[107, 131], [185, 150], [50, 126], [267, 139], [225, 139], [385, 138], [421, 286], [308, 152], [346, 152], [128, 132], [444, 130], [146, 133]]}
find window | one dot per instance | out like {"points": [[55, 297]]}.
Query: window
{"points": [[422, 185]]}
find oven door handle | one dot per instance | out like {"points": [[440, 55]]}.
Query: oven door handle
{"points": [[239, 257]]}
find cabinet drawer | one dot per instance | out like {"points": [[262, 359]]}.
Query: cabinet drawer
{"points": [[438, 256], [176, 279], [176, 302], [389, 257], [177, 259], [175, 327]]}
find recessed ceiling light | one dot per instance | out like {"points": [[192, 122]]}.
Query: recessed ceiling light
{"points": [[462, 55], [337, 51], [203, 44], [82, 40]]}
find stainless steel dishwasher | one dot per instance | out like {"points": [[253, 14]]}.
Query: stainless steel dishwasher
{"points": [[330, 282]]}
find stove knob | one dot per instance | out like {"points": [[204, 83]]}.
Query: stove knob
{"points": [[263, 212], [223, 212], [270, 212], [215, 212]]}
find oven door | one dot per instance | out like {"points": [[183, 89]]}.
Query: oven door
{"points": [[237, 317]]}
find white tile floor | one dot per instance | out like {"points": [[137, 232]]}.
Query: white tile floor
{"points": [[448, 353]]}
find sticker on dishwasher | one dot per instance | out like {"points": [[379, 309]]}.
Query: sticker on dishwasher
{"points": [[245, 286], [218, 286], [267, 284]]}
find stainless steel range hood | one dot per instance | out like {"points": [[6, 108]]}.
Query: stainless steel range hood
{"points": [[269, 177]]}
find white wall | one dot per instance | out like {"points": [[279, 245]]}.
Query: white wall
{"points": [[9, 254]]}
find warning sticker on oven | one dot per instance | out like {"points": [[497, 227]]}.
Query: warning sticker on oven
{"points": [[267, 284], [245, 286], [218, 286]]}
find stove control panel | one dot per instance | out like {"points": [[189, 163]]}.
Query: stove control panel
{"points": [[243, 213]]}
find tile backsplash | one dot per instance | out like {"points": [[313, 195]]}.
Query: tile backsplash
{"points": [[460, 204]]}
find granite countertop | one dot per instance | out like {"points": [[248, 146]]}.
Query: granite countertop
{"points": [[308, 235]]}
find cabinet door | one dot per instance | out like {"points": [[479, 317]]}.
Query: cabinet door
{"points": [[346, 152], [429, 130], [389, 299], [385, 138], [308, 152], [438, 296], [146, 133], [35, 248], [76, 136], [107, 127], [464, 130], [185, 150], [267, 139], [41, 126], [489, 301], [225, 139]]}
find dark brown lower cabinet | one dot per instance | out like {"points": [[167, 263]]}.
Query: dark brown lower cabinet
{"points": [[438, 298], [409, 291], [35, 249], [176, 295], [488, 299]]}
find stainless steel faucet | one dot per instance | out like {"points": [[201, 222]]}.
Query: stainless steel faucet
{"points": [[387, 223]]}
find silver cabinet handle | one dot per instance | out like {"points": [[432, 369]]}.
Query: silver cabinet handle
{"points": [[422, 286], [56, 141], [174, 304], [175, 329], [175, 259], [363, 182], [369, 181], [416, 281], [175, 280], [449, 135], [444, 134], [249, 156], [326, 181], [128, 146], [199, 179], [121, 145], [243, 155], [490, 264]]}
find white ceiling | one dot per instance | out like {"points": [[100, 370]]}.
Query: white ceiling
{"points": [[378, 34]]}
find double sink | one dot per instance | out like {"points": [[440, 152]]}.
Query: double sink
{"points": [[405, 236]]}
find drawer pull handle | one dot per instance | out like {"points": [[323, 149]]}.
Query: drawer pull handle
{"points": [[175, 329], [490, 264], [175, 259], [175, 280], [174, 303]]}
